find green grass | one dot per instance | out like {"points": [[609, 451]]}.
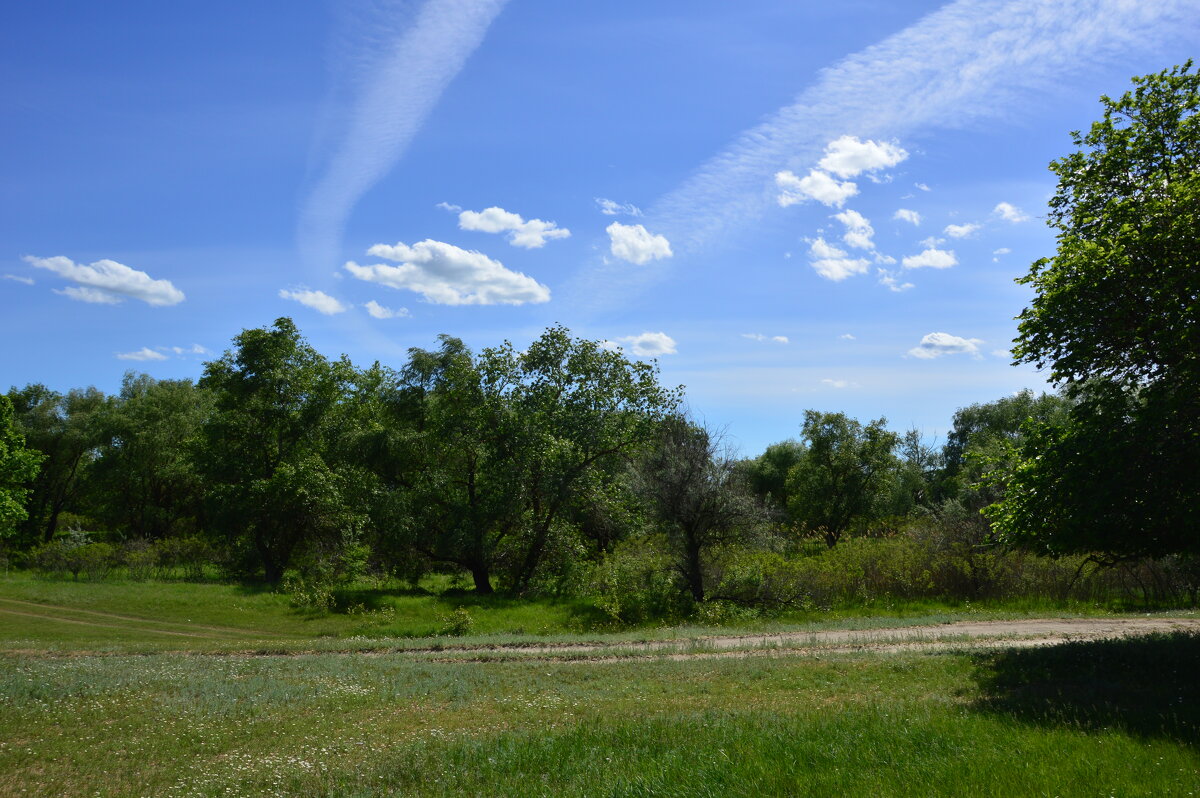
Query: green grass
{"points": [[132, 688], [1034, 722], [39, 614]]}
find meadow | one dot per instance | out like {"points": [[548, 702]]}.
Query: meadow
{"points": [[179, 689]]}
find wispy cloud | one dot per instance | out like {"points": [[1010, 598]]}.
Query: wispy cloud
{"points": [[17, 278], [395, 73], [613, 208], [971, 60]]}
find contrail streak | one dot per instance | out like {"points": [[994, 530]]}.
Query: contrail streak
{"points": [[395, 95]]}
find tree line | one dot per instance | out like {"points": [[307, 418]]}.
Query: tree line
{"points": [[512, 467]]}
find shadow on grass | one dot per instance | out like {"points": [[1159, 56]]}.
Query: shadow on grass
{"points": [[1146, 686]]}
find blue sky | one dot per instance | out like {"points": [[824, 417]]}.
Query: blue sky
{"points": [[789, 205]]}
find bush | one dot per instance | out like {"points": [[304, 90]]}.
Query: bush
{"points": [[189, 554], [637, 582], [456, 624], [74, 554]]}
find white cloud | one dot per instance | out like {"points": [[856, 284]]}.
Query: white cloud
{"points": [[611, 208], [145, 353], [378, 311], [838, 269], [317, 300], [832, 263], [1010, 213], [858, 229], [966, 62], [932, 259], [892, 282], [884, 259], [847, 156], [905, 215], [648, 344], [847, 337], [779, 339], [19, 279], [836, 383], [634, 243], [937, 344], [449, 206], [447, 275], [922, 186], [194, 349], [531, 234], [931, 241], [395, 67], [1001, 251], [817, 185], [962, 230], [93, 295], [109, 282]]}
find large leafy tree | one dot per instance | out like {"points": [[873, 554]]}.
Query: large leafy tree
{"points": [[1116, 319], [144, 481], [266, 450], [505, 447], [845, 476], [66, 429], [18, 466]]}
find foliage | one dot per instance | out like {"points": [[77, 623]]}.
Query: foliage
{"points": [[1116, 317], [844, 476], [144, 482], [18, 466], [767, 474], [265, 450], [636, 582], [697, 497], [506, 447], [66, 430]]}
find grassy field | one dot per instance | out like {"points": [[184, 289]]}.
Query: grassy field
{"points": [[124, 709], [46, 614]]}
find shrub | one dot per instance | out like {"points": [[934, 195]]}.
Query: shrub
{"points": [[637, 582], [456, 624]]}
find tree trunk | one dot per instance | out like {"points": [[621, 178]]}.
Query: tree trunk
{"points": [[694, 570], [483, 580]]}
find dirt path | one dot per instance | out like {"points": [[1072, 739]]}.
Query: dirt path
{"points": [[990, 634]]}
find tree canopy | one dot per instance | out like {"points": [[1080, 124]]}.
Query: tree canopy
{"points": [[1116, 319]]}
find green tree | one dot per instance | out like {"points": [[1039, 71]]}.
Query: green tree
{"points": [[144, 481], [265, 450], [506, 447], [583, 409], [698, 497], [983, 438], [66, 429], [767, 474], [18, 466], [1116, 319], [845, 476], [449, 455]]}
